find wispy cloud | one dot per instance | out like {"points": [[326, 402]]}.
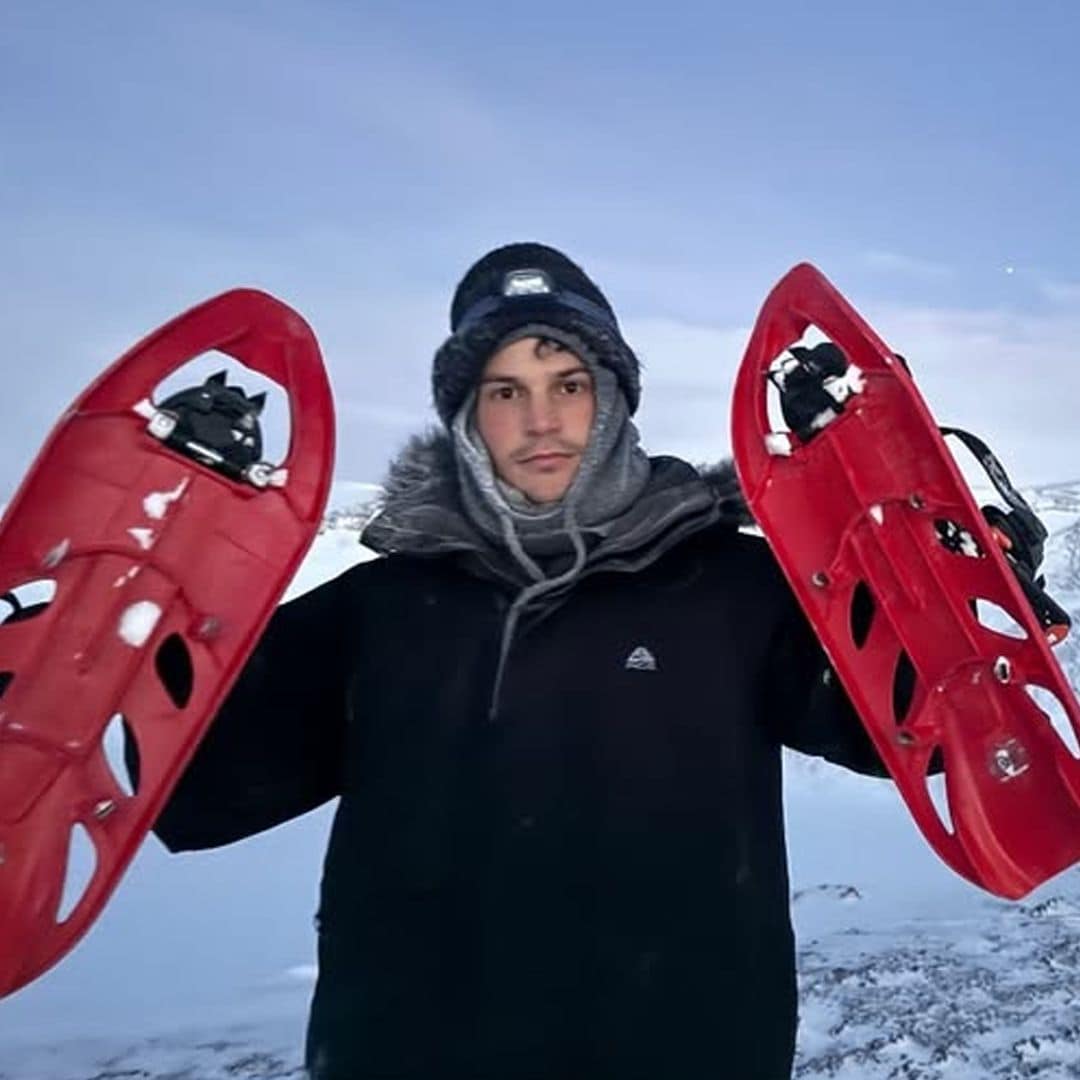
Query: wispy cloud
{"points": [[1064, 293], [375, 83], [896, 263], [688, 371], [386, 416]]}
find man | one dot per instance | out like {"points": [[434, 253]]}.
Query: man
{"points": [[553, 714]]}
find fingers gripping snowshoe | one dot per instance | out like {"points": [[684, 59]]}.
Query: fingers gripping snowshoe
{"points": [[141, 558], [892, 560]]}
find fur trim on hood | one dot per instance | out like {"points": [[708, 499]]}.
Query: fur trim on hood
{"points": [[724, 484], [421, 486]]}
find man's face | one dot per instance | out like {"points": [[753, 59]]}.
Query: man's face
{"points": [[534, 411]]}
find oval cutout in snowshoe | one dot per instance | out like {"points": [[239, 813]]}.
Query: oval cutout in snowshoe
{"points": [[903, 688], [81, 867], [861, 614], [1056, 716], [174, 668], [937, 789], [995, 618], [121, 750]]}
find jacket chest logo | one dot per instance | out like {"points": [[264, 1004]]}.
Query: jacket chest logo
{"points": [[640, 659]]}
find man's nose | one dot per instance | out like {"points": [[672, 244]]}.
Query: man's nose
{"points": [[542, 416]]}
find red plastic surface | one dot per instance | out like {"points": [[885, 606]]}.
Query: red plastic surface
{"points": [[858, 504], [214, 556]]}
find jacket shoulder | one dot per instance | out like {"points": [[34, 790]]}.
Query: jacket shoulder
{"points": [[386, 579], [731, 545]]}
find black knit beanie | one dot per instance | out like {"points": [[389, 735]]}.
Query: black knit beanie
{"points": [[520, 285]]}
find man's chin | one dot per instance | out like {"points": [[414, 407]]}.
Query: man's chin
{"points": [[545, 489], [546, 496]]}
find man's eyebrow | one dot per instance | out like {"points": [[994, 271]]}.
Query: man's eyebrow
{"points": [[580, 369]]}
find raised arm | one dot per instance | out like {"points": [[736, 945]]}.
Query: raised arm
{"points": [[807, 707], [275, 748]]}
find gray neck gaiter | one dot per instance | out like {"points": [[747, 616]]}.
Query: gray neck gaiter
{"points": [[613, 472], [550, 542]]}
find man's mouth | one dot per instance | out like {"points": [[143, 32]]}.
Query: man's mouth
{"points": [[545, 457]]}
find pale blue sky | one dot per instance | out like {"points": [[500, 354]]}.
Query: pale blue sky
{"points": [[354, 158]]}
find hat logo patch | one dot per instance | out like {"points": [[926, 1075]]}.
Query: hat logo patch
{"points": [[527, 283], [640, 659]]}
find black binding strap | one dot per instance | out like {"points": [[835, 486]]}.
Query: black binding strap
{"points": [[1023, 537], [1020, 524]]}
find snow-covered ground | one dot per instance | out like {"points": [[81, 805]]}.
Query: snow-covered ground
{"points": [[202, 967]]}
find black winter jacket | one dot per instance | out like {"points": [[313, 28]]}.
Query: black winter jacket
{"points": [[592, 883]]}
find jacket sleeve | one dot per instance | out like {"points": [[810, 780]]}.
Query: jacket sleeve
{"points": [[275, 748], [807, 707]]}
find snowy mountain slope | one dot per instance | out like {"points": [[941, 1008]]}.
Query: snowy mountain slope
{"points": [[202, 966]]}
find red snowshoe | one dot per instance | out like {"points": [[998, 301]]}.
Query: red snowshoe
{"points": [[139, 563], [928, 607]]}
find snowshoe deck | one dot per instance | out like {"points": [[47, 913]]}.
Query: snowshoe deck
{"points": [[893, 562], [154, 574]]}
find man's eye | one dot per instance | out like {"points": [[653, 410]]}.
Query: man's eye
{"points": [[502, 393], [575, 386]]}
